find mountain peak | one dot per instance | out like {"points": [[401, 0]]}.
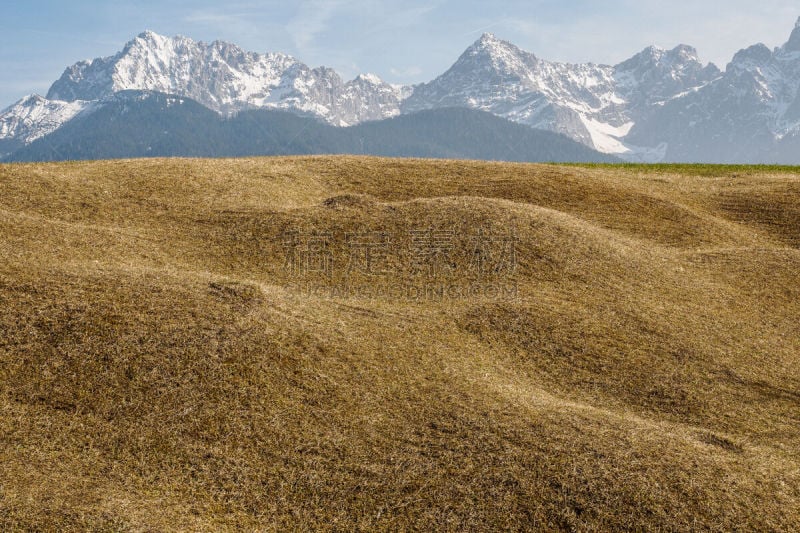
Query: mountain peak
{"points": [[598, 105], [369, 78], [652, 54], [489, 41], [793, 45], [147, 41], [501, 55], [34, 116], [657, 57], [151, 36], [685, 50], [225, 78], [32, 99], [29, 100], [757, 53]]}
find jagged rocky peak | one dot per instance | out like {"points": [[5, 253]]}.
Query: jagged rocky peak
{"points": [[640, 108], [31, 99], [793, 45], [369, 79], [680, 57], [757, 53], [685, 51], [152, 38], [227, 79], [496, 53], [33, 117], [487, 41], [656, 74]]}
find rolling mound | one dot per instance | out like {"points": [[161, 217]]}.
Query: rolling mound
{"points": [[342, 343]]}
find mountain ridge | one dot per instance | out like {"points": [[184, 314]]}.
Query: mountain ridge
{"points": [[134, 124], [228, 79], [658, 105]]}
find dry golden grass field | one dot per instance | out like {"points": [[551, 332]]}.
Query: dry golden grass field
{"points": [[172, 359]]}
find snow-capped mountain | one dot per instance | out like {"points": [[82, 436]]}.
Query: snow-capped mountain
{"points": [[594, 104], [227, 79], [34, 117], [658, 105], [749, 114]]}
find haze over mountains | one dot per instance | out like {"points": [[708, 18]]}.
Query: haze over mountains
{"points": [[660, 105]]}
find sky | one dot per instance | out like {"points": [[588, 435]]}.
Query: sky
{"points": [[402, 41]]}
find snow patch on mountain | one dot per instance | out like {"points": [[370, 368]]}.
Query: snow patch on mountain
{"points": [[594, 104], [609, 139], [227, 79], [33, 117], [659, 104], [605, 137]]}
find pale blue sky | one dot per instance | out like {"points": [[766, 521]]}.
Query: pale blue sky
{"points": [[403, 41]]}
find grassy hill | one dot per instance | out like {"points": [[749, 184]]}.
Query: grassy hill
{"points": [[166, 364]]}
